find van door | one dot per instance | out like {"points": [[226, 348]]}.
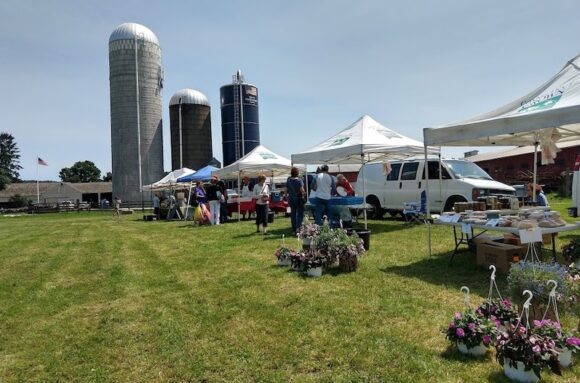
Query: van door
{"points": [[437, 190], [391, 185], [408, 186]]}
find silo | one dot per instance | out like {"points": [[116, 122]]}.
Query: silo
{"points": [[240, 121], [136, 80], [190, 123]]}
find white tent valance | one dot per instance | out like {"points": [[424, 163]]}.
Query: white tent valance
{"points": [[365, 137], [260, 160], [169, 180], [555, 104]]}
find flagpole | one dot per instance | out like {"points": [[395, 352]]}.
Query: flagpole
{"points": [[37, 186]]}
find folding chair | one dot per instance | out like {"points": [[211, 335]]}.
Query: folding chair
{"points": [[416, 212]]}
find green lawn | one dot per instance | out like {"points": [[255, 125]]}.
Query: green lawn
{"points": [[87, 298]]}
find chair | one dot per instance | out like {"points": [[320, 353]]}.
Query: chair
{"points": [[416, 212]]}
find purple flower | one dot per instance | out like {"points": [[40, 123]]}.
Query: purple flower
{"points": [[536, 349], [471, 326], [486, 339], [460, 333], [457, 315], [451, 325], [572, 341]]}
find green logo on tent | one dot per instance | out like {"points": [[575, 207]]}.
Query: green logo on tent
{"points": [[268, 156], [545, 101], [338, 141]]}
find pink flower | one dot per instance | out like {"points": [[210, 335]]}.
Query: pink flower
{"points": [[451, 325], [458, 315], [471, 326], [486, 339], [460, 333], [572, 341], [536, 349], [522, 329], [537, 323]]}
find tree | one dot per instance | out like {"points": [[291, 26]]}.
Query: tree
{"points": [[81, 171], [108, 177], [9, 160]]}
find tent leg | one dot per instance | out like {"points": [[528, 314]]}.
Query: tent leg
{"points": [[239, 196], [427, 202], [535, 179], [188, 201], [362, 160]]}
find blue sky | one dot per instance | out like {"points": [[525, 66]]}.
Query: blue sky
{"points": [[319, 65]]}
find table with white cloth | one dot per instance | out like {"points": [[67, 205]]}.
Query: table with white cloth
{"points": [[465, 234]]}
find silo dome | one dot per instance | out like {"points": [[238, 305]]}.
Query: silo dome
{"points": [[189, 96], [128, 31]]}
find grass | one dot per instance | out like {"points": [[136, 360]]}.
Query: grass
{"points": [[85, 298]]}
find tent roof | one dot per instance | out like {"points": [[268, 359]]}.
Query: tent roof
{"points": [[555, 104], [202, 174], [169, 180], [259, 160], [364, 136]]}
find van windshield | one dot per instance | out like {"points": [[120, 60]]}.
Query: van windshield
{"points": [[466, 169]]}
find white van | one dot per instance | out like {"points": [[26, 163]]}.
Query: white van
{"points": [[462, 181]]}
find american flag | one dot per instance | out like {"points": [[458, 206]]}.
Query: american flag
{"points": [[42, 162]]}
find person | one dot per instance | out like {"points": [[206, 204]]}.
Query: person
{"points": [[156, 205], [246, 190], [223, 201], [172, 207], [541, 199], [117, 212], [342, 182], [296, 195], [199, 193], [213, 196], [323, 186], [262, 196]]}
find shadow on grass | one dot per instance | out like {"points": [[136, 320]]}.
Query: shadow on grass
{"points": [[452, 354], [437, 270]]}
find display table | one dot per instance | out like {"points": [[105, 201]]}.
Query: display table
{"points": [[337, 204], [467, 233], [248, 205]]}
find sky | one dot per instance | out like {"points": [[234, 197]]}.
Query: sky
{"points": [[318, 65]]}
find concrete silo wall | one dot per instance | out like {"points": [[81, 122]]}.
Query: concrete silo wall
{"points": [[196, 135], [124, 133]]}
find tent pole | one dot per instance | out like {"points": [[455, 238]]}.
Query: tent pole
{"points": [[427, 203], [239, 196], [188, 201], [362, 160], [440, 182], [535, 179]]}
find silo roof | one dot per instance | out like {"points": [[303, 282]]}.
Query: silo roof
{"points": [[189, 96], [128, 31]]}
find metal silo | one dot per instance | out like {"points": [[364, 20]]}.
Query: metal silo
{"points": [[136, 80], [240, 121], [190, 123]]}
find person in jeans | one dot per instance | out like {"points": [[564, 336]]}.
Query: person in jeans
{"points": [[296, 195], [261, 194], [213, 198], [323, 187]]}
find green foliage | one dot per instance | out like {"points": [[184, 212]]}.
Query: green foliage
{"points": [[471, 329], [108, 177], [534, 276], [18, 201], [81, 171], [9, 160]]}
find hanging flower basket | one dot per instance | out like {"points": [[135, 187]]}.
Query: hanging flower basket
{"points": [[314, 271], [517, 371], [478, 350]]}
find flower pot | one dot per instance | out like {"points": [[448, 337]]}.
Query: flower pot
{"points": [[284, 262], [363, 234], [348, 265], [565, 357], [297, 268], [475, 351], [314, 271], [518, 373]]}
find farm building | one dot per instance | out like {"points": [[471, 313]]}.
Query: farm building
{"points": [[54, 192]]}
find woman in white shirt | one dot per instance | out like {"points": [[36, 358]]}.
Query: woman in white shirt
{"points": [[261, 194]]}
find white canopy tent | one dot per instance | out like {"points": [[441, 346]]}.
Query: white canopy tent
{"points": [[548, 114], [169, 180], [260, 160], [365, 140]]}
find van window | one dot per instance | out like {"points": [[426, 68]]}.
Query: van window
{"points": [[409, 171], [434, 171], [394, 174]]}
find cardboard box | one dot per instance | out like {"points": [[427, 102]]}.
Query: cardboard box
{"points": [[515, 240], [500, 255], [482, 238]]}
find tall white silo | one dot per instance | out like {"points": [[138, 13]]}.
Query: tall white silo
{"points": [[136, 80]]}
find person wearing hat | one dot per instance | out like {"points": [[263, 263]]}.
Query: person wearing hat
{"points": [[541, 199], [212, 195]]}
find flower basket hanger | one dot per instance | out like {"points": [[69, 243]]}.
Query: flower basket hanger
{"points": [[492, 284], [552, 301]]}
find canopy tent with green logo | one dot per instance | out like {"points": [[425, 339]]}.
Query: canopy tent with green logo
{"points": [[365, 140], [260, 160], [549, 114]]}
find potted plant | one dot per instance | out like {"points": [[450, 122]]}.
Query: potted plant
{"points": [[523, 355], [472, 333], [572, 301], [314, 261], [347, 249], [284, 255], [307, 232], [499, 311], [534, 276], [565, 341], [571, 251]]}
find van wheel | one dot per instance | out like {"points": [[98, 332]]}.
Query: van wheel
{"points": [[451, 201], [378, 211]]}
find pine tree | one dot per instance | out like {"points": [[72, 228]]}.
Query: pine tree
{"points": [[9, 160]]}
